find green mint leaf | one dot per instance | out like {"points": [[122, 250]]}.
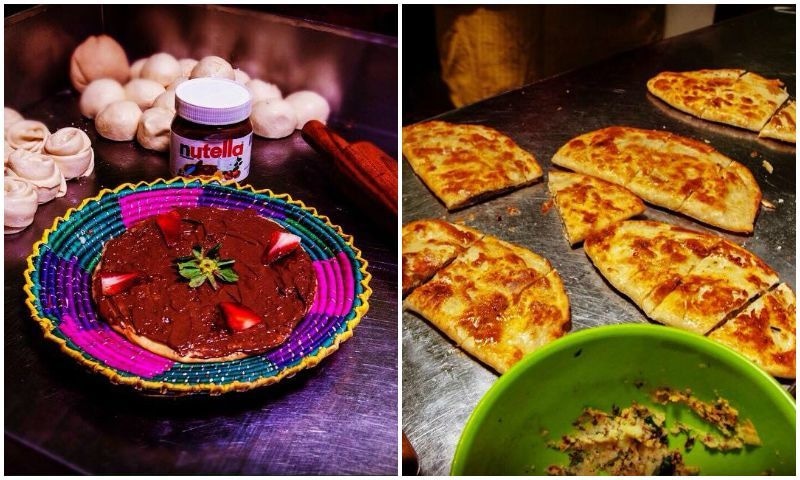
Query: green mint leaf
{"points": [[227, 275], [189, 273]]}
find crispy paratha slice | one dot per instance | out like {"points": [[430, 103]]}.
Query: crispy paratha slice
{"points": [[765, 332], [587, 204], [782, 125], [462, 164], [646, 260], [720, 284], [480, 301], [691, 91], [429, 245]]}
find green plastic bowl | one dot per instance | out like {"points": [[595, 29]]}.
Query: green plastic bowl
{"points": [[538, 399]]}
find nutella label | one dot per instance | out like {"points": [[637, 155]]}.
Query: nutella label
{"points": [[229, 157]]}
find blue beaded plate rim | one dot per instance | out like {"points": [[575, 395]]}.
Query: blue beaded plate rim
{"points": [[72, 247]]}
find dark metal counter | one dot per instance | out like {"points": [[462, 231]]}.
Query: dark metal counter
{"points": [[442, 384], [337, 418]]}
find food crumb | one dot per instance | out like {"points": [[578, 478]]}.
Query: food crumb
{"points": [[753, 154], [546, 206], [767, 204], [707, 141], [767, 166], [780, 200], [513, 211]]}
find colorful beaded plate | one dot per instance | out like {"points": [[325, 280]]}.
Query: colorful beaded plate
{"points": [[60, 268]]}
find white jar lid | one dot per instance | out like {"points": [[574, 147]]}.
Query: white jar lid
{"points": [[212, 101]]}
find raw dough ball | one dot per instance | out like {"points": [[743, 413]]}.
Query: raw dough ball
{"points": [[262, 91], [143, 91], [41, 171], [309, 105], [154, 129], [275, 119], [161, 67], [241, 76], [7, 150], [27, 135], [166, 101], [119, 121], [136, 68], [187, 65], [72, 151], [212, 67], [98, 57], [178, 81], [10, 117], [20, 204], [99, 94]]}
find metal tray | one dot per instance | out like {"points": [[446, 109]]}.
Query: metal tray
{"points": [[442, 384]]}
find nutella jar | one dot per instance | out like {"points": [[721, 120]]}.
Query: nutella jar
{"points": [[211, 132]]}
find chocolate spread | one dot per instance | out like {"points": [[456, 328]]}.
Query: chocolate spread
{"points": [[163, 308]]}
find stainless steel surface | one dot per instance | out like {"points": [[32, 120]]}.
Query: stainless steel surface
{"points": [[441, 384], [337, 418]]}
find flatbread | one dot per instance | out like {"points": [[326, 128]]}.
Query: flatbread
{"points": [[587, 204], [730, 96], [429, 245], [690, 92], [720, 284], [765, 332], [646, 260], [462, 164], [669, 171], [679, 277], [782, 125], [497, 301], [748, 103], [159, 348]]}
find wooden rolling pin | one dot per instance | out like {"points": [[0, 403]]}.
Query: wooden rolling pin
{"points": [[367, 175]]}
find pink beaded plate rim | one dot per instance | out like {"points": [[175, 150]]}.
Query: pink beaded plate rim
{"points": [[48, 327]]}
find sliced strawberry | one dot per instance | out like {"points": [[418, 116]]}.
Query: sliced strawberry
{"points": [[280, 245], [114, 283], [238, 316], [170, 225]]}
